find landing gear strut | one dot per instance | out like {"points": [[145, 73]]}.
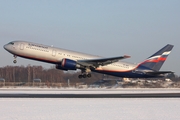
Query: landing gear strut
{"points": [[15, 61]]}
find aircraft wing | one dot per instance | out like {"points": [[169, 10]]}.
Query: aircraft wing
{"points": [[102, 61]]}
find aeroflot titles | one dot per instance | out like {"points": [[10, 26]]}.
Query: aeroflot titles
{"points": [[31, 45]]}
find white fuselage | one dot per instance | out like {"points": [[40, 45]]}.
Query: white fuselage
{"points": [[70, 60], [55, 55]]}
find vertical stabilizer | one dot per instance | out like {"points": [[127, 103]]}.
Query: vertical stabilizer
{"points": [[156, 61]]}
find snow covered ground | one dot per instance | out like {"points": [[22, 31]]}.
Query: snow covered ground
{"points": [[88, 108]]}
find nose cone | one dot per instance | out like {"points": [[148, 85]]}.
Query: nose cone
{"points": [[10, 47], [7, 47]]}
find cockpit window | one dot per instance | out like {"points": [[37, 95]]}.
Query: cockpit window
{"points": [[11, 43]]}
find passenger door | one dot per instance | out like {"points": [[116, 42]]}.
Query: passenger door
{"points": [[54, 53], [21, 46]]}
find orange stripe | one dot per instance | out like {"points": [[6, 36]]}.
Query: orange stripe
{"points": [[156, 60], [162, 59]]}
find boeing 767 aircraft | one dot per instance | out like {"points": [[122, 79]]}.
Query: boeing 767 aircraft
{"points": [[71, 60]]}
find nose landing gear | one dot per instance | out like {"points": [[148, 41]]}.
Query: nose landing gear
{"points": [[15, 61]]}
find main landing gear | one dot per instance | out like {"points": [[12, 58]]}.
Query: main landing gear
{"points": [[15, 61], [85, 73]]}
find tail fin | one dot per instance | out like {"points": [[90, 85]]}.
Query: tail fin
{"points": [[156, 61]]}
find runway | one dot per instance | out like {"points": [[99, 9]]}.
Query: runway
{"points": [[149, 95], [124, 93]]}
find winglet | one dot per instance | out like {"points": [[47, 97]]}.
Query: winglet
{"points": [[127, 56]]}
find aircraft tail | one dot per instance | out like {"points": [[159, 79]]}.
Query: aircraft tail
{"points": [[156, 61]]}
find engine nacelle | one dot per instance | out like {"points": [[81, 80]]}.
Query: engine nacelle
{"points": [[58, 66], [69, 64]]}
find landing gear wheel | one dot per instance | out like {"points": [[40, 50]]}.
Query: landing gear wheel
{"points": [[84, 76], [88, 75], [80, 76], [15, 61]]}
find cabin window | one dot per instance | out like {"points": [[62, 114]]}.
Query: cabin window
{"points": [[11, 43]]}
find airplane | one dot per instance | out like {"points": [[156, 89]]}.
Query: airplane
{"points": [[71, 60]]}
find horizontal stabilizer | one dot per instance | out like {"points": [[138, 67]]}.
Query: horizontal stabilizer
{"points": [[159, 72]]}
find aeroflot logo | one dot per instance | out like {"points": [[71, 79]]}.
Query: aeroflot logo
{"points": [[159, 58], [40, 46]]}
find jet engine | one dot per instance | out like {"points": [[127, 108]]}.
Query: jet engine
{"points": [[69, 64]]}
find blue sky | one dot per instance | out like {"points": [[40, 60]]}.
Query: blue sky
{"points": [[102, 27]]}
